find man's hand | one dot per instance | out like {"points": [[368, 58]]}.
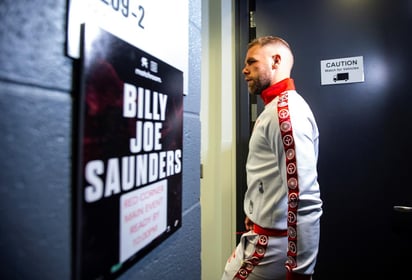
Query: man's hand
{"points": [[248, 224]]}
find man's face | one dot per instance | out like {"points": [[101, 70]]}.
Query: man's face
{"points": [[257, 69]]}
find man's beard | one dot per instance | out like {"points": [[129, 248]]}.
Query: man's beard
{"points": [[257, 86]]}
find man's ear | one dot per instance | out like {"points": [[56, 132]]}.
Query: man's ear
{"points": [[276, 60]]}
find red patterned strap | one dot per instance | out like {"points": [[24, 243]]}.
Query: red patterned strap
{"points": [[285, 125], [249, 264]]}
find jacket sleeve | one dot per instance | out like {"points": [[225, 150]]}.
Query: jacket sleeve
{"points": [[309, 211]]}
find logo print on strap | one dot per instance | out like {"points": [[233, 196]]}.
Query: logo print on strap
{"points": [[292, 177], [249, 264]]}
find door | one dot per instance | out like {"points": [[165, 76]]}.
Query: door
{"points": [[365, 153]]}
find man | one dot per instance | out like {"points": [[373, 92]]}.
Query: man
{"points": [[282, 202]]}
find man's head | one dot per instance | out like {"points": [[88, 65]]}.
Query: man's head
{"points": [[268, 60]]}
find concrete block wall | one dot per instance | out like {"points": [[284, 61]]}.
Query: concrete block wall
{"points": [[36, 105]]}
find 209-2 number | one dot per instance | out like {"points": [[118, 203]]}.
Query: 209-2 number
{"points": [[124, 7]]}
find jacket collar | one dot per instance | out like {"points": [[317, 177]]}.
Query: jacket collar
{"points": [[276, 89]]}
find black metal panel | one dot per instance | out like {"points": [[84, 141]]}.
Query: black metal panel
{"points": [[242, 109], [364, 150]]}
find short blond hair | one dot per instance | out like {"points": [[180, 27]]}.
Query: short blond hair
{"points": [[266, 40]]}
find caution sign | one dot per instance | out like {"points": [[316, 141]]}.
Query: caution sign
{"points": [[342, 70]]}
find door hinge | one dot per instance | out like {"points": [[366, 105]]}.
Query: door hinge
{"points": [[252, 20]]}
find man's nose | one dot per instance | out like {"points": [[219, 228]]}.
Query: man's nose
{"points": [[244, 70]]}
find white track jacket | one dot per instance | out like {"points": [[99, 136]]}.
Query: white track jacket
{"points": [[266, 198]]}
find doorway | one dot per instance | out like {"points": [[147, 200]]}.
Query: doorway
{"points": [[364, 148]]}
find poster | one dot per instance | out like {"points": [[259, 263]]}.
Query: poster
{"points": [[129, 183], [159, 27]]}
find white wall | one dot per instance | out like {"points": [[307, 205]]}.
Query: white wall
{"points": [[217, 116]]}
